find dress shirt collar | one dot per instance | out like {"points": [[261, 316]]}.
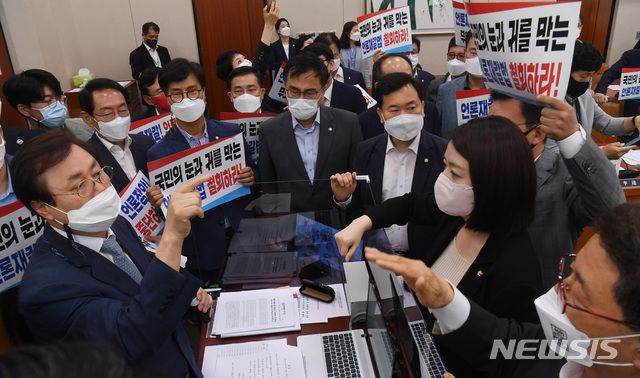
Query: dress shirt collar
{"points": [[204, 139], [328, 92], [413, 146], [339, 75], [110, 146], [315, 122], [92, 242], [149, 48]]}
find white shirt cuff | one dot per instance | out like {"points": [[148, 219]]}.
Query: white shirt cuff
{"points": [[452, 316], [572, 144], [343, 203]]}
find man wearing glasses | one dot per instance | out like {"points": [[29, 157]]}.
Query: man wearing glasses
{"points": [[455, 69], [90, 277], [302, 147], [592, 311], [104, 108]]}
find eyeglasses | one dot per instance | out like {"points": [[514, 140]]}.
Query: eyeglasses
{"points": [[86, 186], [451, 56], [309, 94], [567, 262], [110, 116], [191, 95], [527, 126], [51, 100]]}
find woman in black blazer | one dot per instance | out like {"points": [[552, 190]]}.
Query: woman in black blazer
{"points": [[482, 204], [278, 54]]}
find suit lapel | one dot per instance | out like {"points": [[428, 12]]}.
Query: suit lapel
{"points": [[178, 142], [288, 142], [471, 282], [544, 165], [325, 142], [139, 157], [120, 178], [423, 164], [377, 164]]}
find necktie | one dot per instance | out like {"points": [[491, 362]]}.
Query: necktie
{"points": [[111, 247]]}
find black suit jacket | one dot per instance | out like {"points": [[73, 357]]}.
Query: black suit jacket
{"points": [[269, 105], [370, 158], [150, 112], [140, 144], [277, 54], [139, 59], [346, 97], [15, 137], [353, 77], [280, 158], [425, 78], [434, 85], [371, 125]]}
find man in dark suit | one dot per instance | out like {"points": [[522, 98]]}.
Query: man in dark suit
{"points": [[90, 277], [149, 53], [455, 68], [105, 109], [337, 95], [424, 77], [247, 94], [205, 247], [407, 159], [370, 120], [340, 73], [151, 94], [303, 147]]}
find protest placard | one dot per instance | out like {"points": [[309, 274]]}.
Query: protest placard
{"points": [[526, 48], [19, 230], [472, 104], [367, 97], [154, 127], [460, 22], [250, 125], [224, 159], [389, 30], [137, 210], [277, 91], [629, 84]]}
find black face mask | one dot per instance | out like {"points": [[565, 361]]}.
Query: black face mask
{"points": [[576, 89], [152, 43]]}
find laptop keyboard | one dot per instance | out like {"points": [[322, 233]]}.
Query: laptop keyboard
{"points": [[428, 351], [340, 355]]}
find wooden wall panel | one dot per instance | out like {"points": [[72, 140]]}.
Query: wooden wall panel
{"points": [[597, 19], [9, 115]]}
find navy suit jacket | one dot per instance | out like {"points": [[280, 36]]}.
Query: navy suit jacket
{"points": [[277, 54], [353, 77], [629, 59], [139, 59], [15, 137], [149, 112], [425, 77], [446, 104], [371, 125], [434, 85], [370, 157], [347, 97], [140, 144], [207, 238], [73, 293]]}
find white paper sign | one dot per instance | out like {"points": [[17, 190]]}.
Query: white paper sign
{"points": [[389, 30], [154, 127], [629, 84], [460, 22], [249, 123], [137, 210], [277, 91], [367, 97], [472, 104]]}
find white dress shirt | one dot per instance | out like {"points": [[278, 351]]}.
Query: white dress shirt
{"points": [[154, 55], [92, 242], [339, 75], [327, 95], [123, 157]]}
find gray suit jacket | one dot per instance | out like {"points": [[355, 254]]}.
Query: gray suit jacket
{"points": [[280, 158], [571, 192], [446, 104], [592, 116], [362, 65]]}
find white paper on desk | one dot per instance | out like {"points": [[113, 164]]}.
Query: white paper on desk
{"points": [[409, 299], [632, 157], [255, 312], [312, 310], [268, 359], [614, 87]]}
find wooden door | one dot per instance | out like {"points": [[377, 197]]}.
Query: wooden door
{"points": [[223, 25], [10, 116], [598, 16]]}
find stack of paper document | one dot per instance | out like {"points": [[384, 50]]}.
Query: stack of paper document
{"points": [[256, 312], [265, 359], [312, 310]]}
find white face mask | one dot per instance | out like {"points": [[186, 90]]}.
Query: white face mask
{"points": [[302, 108], [3, 150], [404, 126], [188, 110], [116, 129], [286, 31], [563, 338], [336, 64], [473, 66], [247, 103], [355, 36], [414, 60], [453, 199], [456, 67], [245, 63], [96, 215]]}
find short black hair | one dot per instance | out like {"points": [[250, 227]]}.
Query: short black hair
{"points": [[280, 20], [344, 38], [36, 156], [530, 112], [376, 72], [85, 97], [503, 174], [416, 41], [147, 78], [394, 81], [179, 69], [150, 25], [320, 50], [619, 231], [581, 16], [328, 39], [467, 38], [28, 87], [306, 63], [242, 71], [586, 57], [224, 63], [452, 43]]}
